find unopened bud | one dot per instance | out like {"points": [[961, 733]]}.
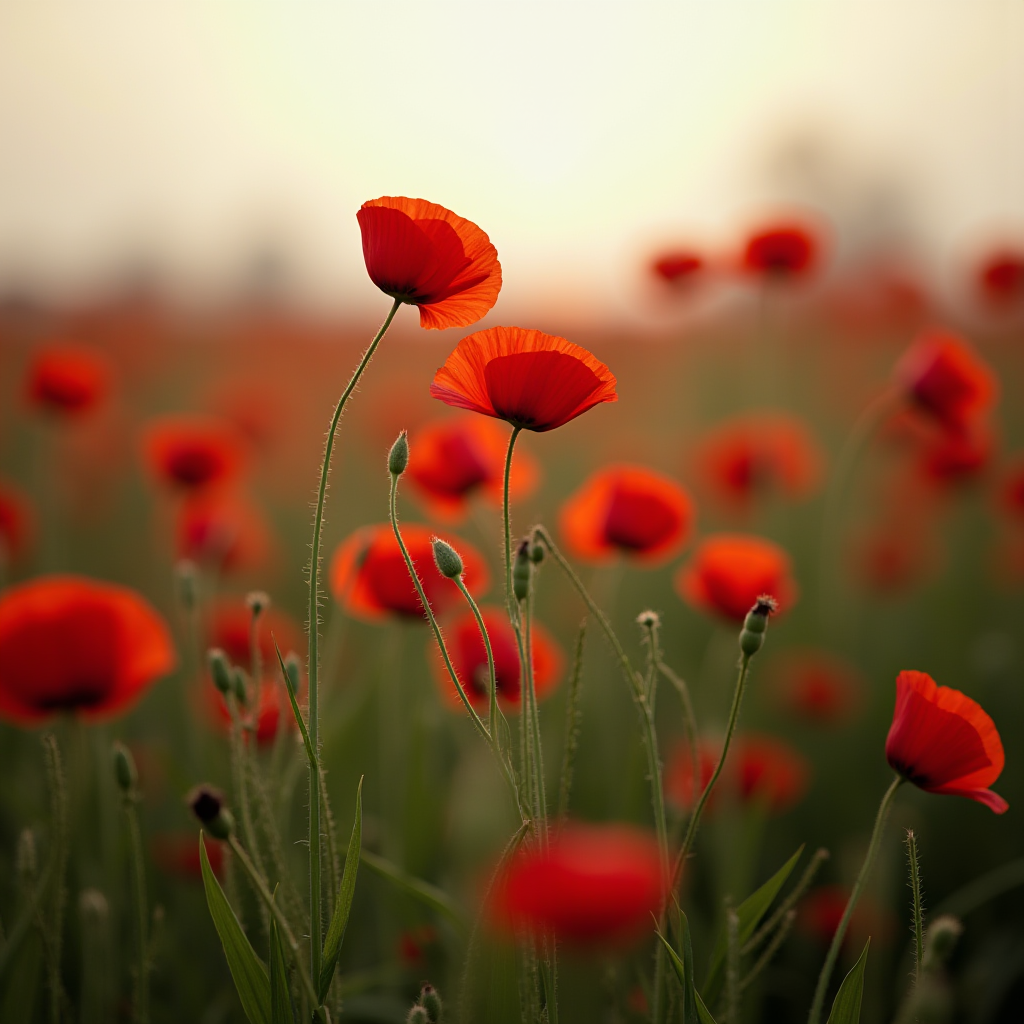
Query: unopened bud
{"points": [[185, 574], [124, 769], [939, 941], [207, 804], [292, 671], [431, 1002], [220, 670], [537, 554], [239, 685], [447, 559], [418, 1015], [521, 570], [258, 601], [755, 624], [398, 457]]}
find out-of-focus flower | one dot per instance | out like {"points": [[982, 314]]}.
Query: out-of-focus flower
{"points": [[943, 377], [177, 854], [782, 251], [73, 644], [1012, 488], [729, 572], [427, 256], [413, 944], [192, 451], [760, 769], [893, 555], [760, 454], [68, 379], [949, 458], [17, 527], [629, 510], [943, 742], [821, 910], [369, 577], [595, 885], [223, 529], [817, 686], [1000, 278], [530, 379], [452, 459], [469, 658], [679, 268]]}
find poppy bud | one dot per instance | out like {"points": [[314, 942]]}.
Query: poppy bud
{"points": [[939, 941], [418, 1015], [447, 559], [207, 804], [238, 686], [431, 1002], [293, 671], [537, 554], [124, 769], [398, 457], [521, 569], [755, 624], [258, 601], [185, 579], [219, 669]]}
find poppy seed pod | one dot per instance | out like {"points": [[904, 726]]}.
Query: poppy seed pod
{"points": [[207, 804], [258, 601], [398, 457], [431, 1002], [220, 670], [755, 625], [124, 769], [447, 559], [521, 570]]}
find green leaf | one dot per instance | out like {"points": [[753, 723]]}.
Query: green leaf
{"points": [[750, 912], [846, 1008], [683, 968], [703, 1013], [426, 893], [343, 901], [247, 970], [280, 998]]}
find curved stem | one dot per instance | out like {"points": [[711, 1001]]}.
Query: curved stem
{"points": [[837, 940], [507, 523], [313, 667], [492, 678]]}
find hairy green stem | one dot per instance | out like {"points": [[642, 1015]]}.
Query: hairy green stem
{"points": [[141, 1002], [510, 601], [917, 905]]}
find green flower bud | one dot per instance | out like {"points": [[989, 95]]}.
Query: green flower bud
{"points": [[755, 625], [537, 554], [418, 1015], [124, 769], [185, 573], [521, 570], [220, 670], [239, 686], [207, 804], [447, 559], [293, 671], [431, 1002], [939, 940], [398, 457]]}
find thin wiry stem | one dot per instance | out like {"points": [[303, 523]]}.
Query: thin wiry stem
{"points": [[510, 600], [732, 966], [572, 724], [917, 904]]}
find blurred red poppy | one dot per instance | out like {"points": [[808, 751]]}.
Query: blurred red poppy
{"points": [[68, 643], [821, 910], [893, 556], [223, 530], [949, 458], [760, 769], [469, 658], [942, 376], [679, 268], [630, 510], [177, 854], [729, 572], [530, 379], [413, 944], [450, 460], [817, 686], [17, 523], [943, 742], [782, 251], [369, 577], [759, 454], [1001, 277], [68, 378], [1012, 488], [427, 256], [594, 886], [192, 451]]}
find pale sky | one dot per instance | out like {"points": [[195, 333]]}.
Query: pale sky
{"points": [[575, 134]]}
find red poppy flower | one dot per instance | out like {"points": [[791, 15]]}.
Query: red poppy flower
{"points": [[413, 944], [68, 378], [425, 255], [530, 379], [595, 885], [893, 556], [948, 458], [68, 643], [942, 376], [782, 251], [821, 910], [177, 854], [627, 509], [221, 529], [1001, 277], [758, 454], [1012, 488], [817, 686], [453, 459], [760, 769], [192, 451], [679, 268], [369, 577], [16, 523], [469, 657], [728, 572], [943, 742]]}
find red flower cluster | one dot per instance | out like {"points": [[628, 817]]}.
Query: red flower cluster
{"points": [[630, 510], [469, 658], [369, 577], [192, 451], [68, 643], [68, 379]]}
